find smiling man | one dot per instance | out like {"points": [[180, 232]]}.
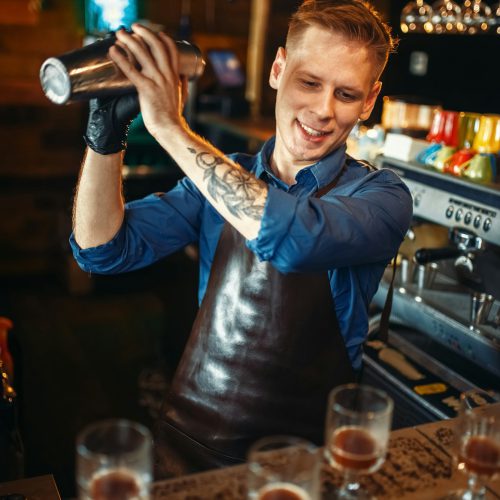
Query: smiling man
{"points": [[293, 241], [325, 83]]}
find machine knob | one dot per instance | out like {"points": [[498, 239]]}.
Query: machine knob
{"points": [[487, 224], [449, 212], [458, 215], [477, 221], [468, 217], [417, 199]]}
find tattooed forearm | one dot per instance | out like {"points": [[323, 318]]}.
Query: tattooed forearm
{"points": [[240, 191]]}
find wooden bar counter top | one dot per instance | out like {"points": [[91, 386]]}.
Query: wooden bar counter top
{"points": [[418, 466]]}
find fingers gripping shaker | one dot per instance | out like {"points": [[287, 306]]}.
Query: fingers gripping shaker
{"points": [[88, 72]]}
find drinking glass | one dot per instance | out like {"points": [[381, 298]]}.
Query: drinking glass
{"points": [[283, 467], [114, 461], [358, 423], [446, 17], [416, 17], [495, 18], [476, 16], [476, 444]]}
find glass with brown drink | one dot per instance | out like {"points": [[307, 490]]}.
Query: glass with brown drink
{"points": [[476, 447], [114, 461], [358, 423], [283, 468]]}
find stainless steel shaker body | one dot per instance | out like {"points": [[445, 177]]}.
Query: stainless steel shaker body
{"points": [[88, 72]]}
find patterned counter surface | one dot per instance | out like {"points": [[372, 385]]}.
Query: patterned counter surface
{"points": [[418, 467]]}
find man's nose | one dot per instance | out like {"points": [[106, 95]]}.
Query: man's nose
{"points": [[324, 105]]}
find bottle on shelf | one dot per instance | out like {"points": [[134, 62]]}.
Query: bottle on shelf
{"points": [[11, 444]]}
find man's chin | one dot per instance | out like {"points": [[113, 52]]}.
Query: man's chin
{"points": [[314, 155]]}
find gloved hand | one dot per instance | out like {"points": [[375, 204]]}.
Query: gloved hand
{"points": [[109, 120]]}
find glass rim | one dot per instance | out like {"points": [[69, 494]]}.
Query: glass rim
{"points": [[83, 450], [370, 414], [285, 439]]}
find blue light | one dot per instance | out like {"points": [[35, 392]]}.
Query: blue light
{"points": [[102, 16]]}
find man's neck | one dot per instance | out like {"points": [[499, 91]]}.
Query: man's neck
{"points": [[286, 171]]}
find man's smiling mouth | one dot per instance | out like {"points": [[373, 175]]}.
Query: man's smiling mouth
{"points": [[311, 131]]}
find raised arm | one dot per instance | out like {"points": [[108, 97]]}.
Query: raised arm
{"points": [[236, 194], [98, 208]]}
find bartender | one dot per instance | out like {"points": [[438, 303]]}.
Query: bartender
{"points": [[293, 240]]}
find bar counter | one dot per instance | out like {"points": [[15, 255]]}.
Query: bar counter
{"points": [[418, 467]]}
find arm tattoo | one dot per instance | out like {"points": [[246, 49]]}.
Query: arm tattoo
{"points": [[237, 189]]}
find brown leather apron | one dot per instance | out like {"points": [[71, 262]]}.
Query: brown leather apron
{"points": [[263, 354]]}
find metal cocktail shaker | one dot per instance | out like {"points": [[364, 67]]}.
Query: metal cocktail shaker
{"points": [[88, 72]]}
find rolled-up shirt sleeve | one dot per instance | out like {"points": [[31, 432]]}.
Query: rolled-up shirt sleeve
{"points": [[153, 228], [354, 224]]}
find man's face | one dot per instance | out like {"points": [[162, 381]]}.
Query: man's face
{"points": [[324, 85]]}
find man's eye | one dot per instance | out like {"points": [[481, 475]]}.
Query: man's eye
{"points": [[309, 84], [346, 96]]}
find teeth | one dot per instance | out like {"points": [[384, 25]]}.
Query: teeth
{"points": [[311, 131]]}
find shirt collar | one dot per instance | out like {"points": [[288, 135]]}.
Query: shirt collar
{"points": [[322, 172]]}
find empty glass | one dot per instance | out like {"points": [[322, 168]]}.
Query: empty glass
{"points": [[416, 17], [495, 18], [476, 16], [446, 17]]}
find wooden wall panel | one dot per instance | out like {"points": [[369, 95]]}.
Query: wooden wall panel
{"points": [[23, 48], [20, 12], [230, 18]]}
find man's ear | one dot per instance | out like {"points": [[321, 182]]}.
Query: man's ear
{"points": [[277, 68], [370, 101]]}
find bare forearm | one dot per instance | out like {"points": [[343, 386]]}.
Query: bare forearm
{"points": [[235, 193], [98, 208]]}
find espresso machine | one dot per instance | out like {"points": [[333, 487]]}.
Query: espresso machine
{"points": [[444, 330]]}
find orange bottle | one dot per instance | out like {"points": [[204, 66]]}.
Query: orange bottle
{"points": [[11, 443], [5, 355]]}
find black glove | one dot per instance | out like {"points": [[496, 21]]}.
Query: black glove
{"points": [[109, 120]]}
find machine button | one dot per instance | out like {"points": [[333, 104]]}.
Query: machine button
{"points": [[449, 212], [417, 200], [458, 215], [477, 221], [468, 217], [487, 224]]}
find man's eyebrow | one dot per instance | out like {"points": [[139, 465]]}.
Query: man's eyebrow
{"points": [[310, 76]]}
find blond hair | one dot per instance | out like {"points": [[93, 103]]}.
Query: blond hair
{"points": [[356, 20]]}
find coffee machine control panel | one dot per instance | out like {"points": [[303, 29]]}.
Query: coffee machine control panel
{"points": [[449, 210], [449, 201]]}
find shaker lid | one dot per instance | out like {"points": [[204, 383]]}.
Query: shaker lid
{"points": [[55, 80]]}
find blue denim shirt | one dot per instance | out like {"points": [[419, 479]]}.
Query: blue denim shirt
{"points": [[351, 233]]}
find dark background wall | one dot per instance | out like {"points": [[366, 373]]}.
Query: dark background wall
{"points": [[462, 70]]}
